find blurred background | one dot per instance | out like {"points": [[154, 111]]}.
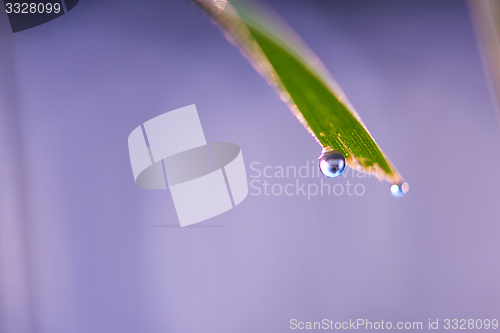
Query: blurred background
{"points": [[83, 249]]}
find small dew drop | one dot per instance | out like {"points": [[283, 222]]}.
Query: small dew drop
{"points": [[220, 4], [399, 190], [322, 134], [332, 163], [285, 96]]}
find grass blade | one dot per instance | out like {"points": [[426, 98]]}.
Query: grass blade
{"points": [[302, 82]]}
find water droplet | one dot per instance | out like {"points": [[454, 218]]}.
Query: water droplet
{"points": [[285, 96], [332, 163], [322, 134], [399, 190]]}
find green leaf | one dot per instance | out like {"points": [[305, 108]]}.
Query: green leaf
{"points": [[302, 82]]}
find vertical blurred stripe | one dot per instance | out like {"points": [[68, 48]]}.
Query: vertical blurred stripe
{"points": [[36, 278], [15, 295], [485, 16]]}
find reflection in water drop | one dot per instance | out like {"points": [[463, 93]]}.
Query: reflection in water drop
{"points": [[332, 163], [399, 190]]}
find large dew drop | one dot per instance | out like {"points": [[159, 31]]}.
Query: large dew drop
{"points": [[399, 190], [332, 163]]}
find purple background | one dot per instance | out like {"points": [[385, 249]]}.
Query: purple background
{"points": [[83, 249]]}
